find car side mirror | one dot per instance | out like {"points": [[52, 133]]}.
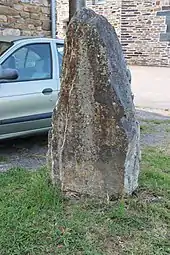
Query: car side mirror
{"points": [[8, 74]]}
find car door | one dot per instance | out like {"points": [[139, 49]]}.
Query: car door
{"points": [[26, 104]]}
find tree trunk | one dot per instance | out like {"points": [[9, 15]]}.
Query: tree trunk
{"points": [[75, 5], [81, 3], [72, 8]]}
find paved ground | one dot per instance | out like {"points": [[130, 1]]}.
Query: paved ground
{"points": [[151, 87]]}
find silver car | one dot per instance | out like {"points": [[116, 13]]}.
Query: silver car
{"points": [[26, 103]]}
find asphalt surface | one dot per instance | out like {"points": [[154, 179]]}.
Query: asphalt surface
{"points": [[151, 86]]}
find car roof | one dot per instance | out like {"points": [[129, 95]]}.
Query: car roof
{"points": [[12, 38]]}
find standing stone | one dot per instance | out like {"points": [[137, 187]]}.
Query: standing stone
{"points": [[94, 142]]}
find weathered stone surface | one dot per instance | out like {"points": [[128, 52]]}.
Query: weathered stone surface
{"points": [[11, 31], [34, 12], [34, 16], [5, 10], [46, 25], [35, 22], [25, 15], [3, 18], [94, 144], [31, 8], [18, 7], [45, 10]]}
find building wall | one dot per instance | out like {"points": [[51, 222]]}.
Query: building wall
{"points": [[143, 26], [62, 16], [25, 17], [141, 30], [111, 10]]}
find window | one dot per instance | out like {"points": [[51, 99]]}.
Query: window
{"points": [[4, 46], [32, 61], [94, 2], [60, 49]]}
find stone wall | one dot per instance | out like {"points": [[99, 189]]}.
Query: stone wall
{"points": [[141, 30], [25, 17], [111, 9], [62, 16], [143, 26]]}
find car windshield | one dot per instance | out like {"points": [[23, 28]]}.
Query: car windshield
{"points": [[4, 46]]}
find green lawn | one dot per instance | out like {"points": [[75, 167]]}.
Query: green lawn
{"points": [[35, 220]]}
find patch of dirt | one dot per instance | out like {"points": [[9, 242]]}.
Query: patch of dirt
{"points": [[155, 128], [30, 153]]}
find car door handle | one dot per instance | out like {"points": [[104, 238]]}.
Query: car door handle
{"points": [[47, 91]]}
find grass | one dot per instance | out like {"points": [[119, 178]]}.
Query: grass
{"points": [[156, 122], [35, 219], [145, 129], [167, 130], [149, 126], [3, 159]]}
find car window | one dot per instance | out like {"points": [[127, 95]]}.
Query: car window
{"points": [[19, 57], [32, 61], [4, 46], [60, 50]]}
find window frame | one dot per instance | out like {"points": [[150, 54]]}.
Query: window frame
{"points": [[98, 2], [57, 46], [5, 42], [38, 79]]}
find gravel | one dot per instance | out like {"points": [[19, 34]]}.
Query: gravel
{"points": [[30, 152], [155, 128]]}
